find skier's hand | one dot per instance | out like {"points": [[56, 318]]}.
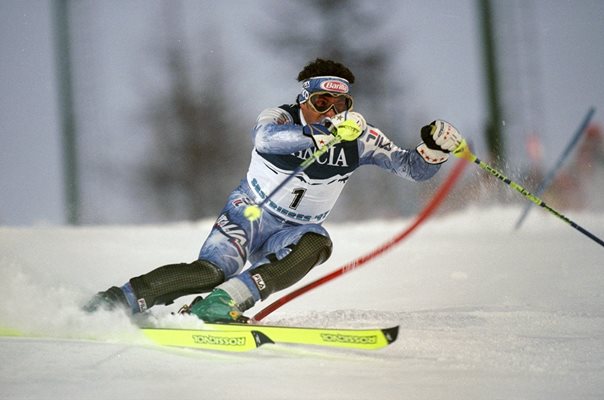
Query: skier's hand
{"points": [[441, 136], [320, 134], [348, 125], [439, 139]]}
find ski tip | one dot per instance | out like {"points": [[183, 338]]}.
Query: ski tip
{"points": [[261, 338], [391, 333], [10, 332]]}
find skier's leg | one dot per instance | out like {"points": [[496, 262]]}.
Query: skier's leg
{"points": [[165, 284], [223, 254], [289, 255]]}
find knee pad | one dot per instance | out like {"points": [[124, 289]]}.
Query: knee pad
{"points": [[312, 249], [165, 284]]}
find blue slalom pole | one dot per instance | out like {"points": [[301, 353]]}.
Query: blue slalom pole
{"points": [[549, 177]]}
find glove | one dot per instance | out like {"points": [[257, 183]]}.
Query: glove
{"points": [[439, 138], [320, 134], [441, 135], [348, 125]]}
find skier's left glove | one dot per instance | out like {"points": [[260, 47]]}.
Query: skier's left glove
{"points": [[347, 125], [439, 139]]}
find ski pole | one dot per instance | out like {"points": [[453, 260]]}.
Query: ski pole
{"points": [[463, 151], [552, 172], [253, 211]]}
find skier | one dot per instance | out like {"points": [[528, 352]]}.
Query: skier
{"points": [[288, 239]]}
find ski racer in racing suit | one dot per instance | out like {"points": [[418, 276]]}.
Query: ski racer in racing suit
{"points": [[288, 239]]}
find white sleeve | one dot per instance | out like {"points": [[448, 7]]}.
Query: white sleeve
{"points": [[376, 149], [276, 133]]}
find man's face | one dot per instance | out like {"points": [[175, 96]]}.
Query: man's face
{"points": [[324, 104]]}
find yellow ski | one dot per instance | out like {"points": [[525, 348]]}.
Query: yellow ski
{"points": [[233, 340], [367, 339], [246, 337]]}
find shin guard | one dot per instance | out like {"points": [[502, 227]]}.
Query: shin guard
{"points": [[312, 249], [165, 284]]}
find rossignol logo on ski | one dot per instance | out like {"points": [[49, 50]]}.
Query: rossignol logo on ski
{"points": [[341, 338], [214, 340]]}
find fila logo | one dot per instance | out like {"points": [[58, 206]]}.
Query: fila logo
{"points": [[380, 141], [259, 281]]}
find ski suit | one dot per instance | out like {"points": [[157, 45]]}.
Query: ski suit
{"points": [[305, 202]]}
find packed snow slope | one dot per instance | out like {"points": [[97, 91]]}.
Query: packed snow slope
{"points": [[485, 313]]}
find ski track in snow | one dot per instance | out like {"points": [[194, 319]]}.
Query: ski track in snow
{"points": [[485, 313]]}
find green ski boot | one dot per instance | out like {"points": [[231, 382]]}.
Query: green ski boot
{"points": [[217, 307]]}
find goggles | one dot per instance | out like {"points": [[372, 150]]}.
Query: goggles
{"points": [[322, 102], [326, 92]]}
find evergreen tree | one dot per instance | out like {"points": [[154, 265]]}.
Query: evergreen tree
{"points": [[196, 157]]}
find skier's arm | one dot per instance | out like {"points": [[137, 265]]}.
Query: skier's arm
{"points": [[276, 133], [419, 164]]}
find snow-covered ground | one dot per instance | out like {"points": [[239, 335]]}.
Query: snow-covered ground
{"points": [[485, 313]]}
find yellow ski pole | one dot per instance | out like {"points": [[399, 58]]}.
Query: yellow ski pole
{"points": [[463, 151]]}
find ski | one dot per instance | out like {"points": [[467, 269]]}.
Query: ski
{"points": [[233, 340], [243, 337]]}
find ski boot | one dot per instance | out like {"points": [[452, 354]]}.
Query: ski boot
{"points": [[217, 307], [111, 299]]}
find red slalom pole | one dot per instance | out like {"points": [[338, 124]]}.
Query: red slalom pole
{"points": [[430, 207]]}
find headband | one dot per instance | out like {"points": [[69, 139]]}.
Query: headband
{"points": [[330, 84]]}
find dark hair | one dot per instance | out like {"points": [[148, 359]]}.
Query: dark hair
{"points": [[321, 67]]}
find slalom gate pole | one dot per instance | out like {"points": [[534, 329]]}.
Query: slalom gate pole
{"points": [[549, 178], [430, 207], [253, 211], [463, 151]]}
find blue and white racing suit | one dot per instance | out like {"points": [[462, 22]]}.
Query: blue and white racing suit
{"points": [[306, 201]]}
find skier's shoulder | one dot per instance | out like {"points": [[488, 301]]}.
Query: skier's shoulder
{"points": [[283, 114]]}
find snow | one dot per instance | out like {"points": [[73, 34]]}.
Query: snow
{"points": [[485, 313]]}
